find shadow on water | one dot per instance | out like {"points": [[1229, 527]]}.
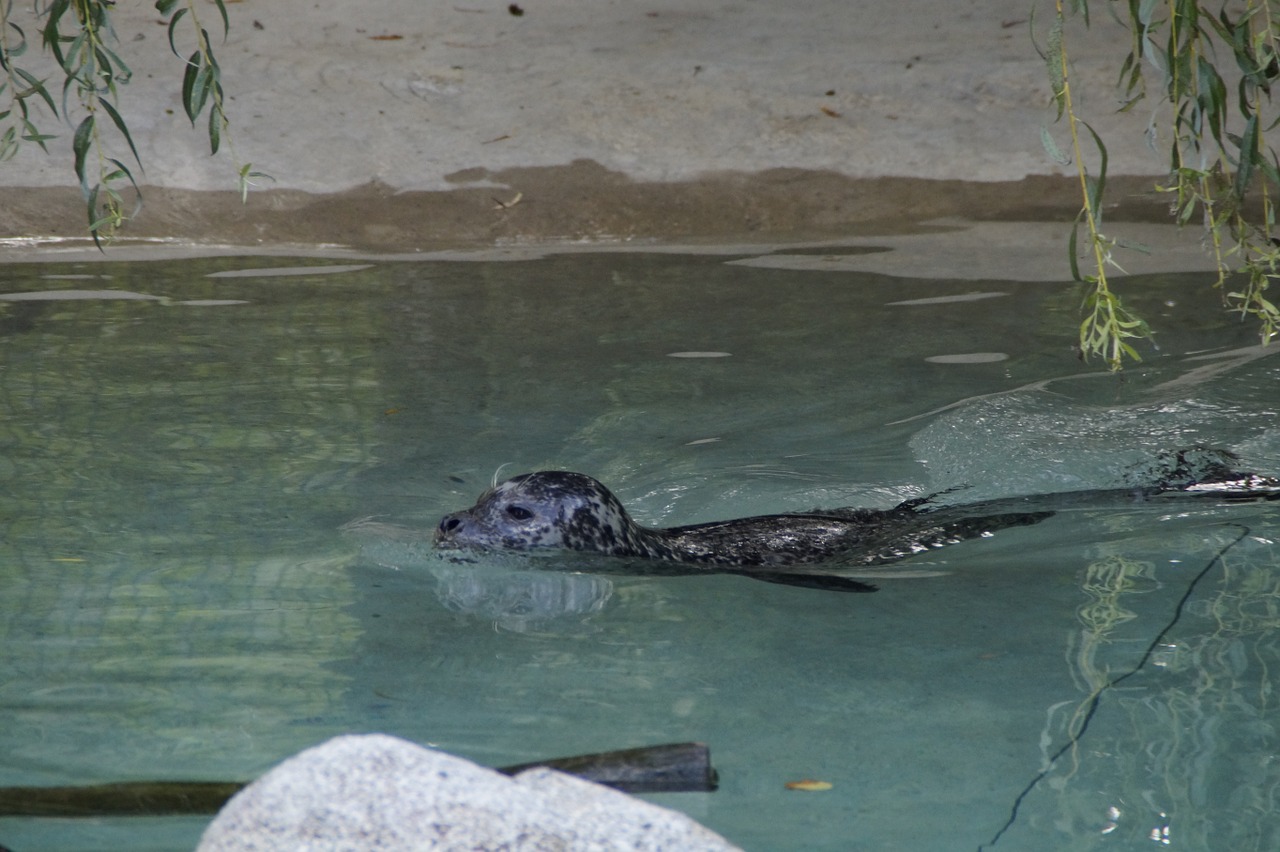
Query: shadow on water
{"points": [[180, 601]]}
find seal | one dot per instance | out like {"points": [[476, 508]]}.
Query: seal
{"points": [[574, 512]]}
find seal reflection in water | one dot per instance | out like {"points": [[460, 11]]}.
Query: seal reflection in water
{"points": [[572, 511]]}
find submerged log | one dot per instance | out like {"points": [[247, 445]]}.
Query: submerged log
{"points": [[672, 768], [675, 768], [126, 798]]}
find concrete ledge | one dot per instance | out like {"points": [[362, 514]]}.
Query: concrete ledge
{"points": [[577, 203]]}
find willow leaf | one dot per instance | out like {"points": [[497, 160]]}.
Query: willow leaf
{"points": [[173, 23], [246, 174], [1212, 98], [8, 144], [1031, 26], [50, 34], [93, 207], [1248, 157], [123, 171], [76, 62], [80, 146], [215, 126], [1231, 34], [1072, 248], [105, 70], [1054, 62], [200, 89], [226, 22], [15, 49], [1243, 91], [120, 69], [120, 125], [36, 87], [1097, 185], [189, 78], [33, 134], [1051, 148]]}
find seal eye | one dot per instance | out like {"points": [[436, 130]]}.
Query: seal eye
{"points": [[519, 513]]}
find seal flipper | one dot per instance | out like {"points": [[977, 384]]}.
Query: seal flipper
{"points": [[917, 532], [825, 582]]}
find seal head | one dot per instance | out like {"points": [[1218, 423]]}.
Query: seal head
{"points": [[549, 508]]}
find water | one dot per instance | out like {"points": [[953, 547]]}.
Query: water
{"points": [[181, 599]]}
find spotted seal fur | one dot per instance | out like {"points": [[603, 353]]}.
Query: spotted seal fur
{"points": [[573, 511]]}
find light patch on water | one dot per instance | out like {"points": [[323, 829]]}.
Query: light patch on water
{"points": [[286, 271], [968, 358], [75, 295], [945, 300], [1222, 363], [1032, 386], [109, 295]]}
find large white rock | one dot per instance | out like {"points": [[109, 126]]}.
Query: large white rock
{"points": [[376, 792]]}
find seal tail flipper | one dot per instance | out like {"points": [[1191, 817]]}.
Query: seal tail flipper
{"points": [[824, 582], [940, 528], [916, 502], [1241, 488], [1202, 469]]}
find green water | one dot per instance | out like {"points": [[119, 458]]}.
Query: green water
{"points": [[179, 599]]}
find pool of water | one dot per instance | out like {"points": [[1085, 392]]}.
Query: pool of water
{"points": [[185, 446]]}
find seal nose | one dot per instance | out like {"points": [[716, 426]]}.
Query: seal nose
{"points": [[449, 524]]}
